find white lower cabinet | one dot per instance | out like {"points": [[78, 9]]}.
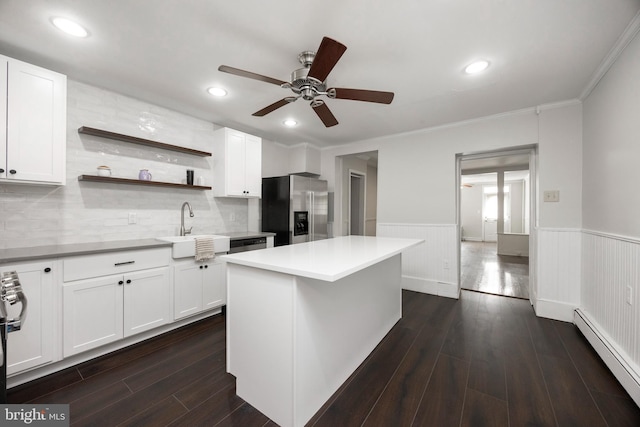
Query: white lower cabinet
{"points": [[104, 309], [198, 286], [33, 344]]}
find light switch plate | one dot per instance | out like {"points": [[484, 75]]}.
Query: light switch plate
{"points": [[552, 196]]}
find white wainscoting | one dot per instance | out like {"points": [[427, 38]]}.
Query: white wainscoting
{"points": [[611, 265], [616, 359], [558, 273], [433, 266]]}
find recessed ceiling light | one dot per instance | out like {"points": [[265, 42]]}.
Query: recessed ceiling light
{"points": [[290, 123], [476, 67], [69, 27], [217, 91]]}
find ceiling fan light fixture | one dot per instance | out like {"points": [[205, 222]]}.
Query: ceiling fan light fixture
{"points": [[70, 27], [290, 123], [476, 67], [217, 91]]}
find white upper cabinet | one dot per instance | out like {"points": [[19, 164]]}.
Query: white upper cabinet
{"points": [[33, 115], [237, 166]]}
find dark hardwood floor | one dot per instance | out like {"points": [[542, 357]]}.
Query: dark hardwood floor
{"points": [[483, 270], [483, 360]]}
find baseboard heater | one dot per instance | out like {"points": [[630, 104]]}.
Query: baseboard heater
{"points": [[615, 361]]}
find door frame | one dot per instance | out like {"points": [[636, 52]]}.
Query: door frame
{"points": [[532, 152], [362, 176]]}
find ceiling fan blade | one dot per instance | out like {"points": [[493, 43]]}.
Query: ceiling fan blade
{"points": [[274, 106], [250, 75], [361, 95], [326, 58], [324, 113]]}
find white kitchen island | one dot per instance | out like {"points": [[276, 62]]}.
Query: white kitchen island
{"points": [[301, 318]]}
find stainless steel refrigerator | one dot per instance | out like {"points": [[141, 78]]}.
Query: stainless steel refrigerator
{"points": [[296, 208]]}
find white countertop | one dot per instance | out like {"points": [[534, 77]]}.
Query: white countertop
{"points": [[329, 260]]}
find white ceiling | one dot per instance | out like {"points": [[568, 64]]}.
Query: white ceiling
{"points": [[167, 52]]}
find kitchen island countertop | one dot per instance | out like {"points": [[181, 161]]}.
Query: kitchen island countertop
{"points": [[329, 260]]}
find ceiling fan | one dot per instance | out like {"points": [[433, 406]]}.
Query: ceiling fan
{"points": [[309, 83]]}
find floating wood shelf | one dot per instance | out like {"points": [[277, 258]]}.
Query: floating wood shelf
{"points": [[126, 181], [141, 141]]}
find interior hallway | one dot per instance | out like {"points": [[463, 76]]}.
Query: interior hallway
{"points": [[483, 270]]}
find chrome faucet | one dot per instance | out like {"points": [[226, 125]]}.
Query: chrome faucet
{"points": [[183, 231]]}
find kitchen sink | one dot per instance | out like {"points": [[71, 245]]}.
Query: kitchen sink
{"points": [[185, 246]]}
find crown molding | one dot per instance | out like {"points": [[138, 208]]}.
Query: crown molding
{"points": [[625, 38]]}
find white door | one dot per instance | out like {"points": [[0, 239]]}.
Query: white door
{"points": [[490, 217], [490, 213], [92, 314], [33, 344], [253, 166], [235, 163], [214, 285], [187, 281], [147, 300], [36, 123]]}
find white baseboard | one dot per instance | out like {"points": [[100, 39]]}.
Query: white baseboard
{"points": [[449, 290], [554, 310], [617, 361]]}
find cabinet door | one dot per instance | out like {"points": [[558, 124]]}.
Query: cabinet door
{"points": [[92, 313], [32, 345], [235, 167], [253, 166], [4, 63], [36, 124], [187, 282], [147, 300], [214, 285]]}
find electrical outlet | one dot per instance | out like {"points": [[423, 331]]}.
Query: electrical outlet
{"points": [[232, 217], [445, 264], [552, 196], [133, 218], [629, 295]]}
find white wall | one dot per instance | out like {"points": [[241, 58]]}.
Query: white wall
{"points": [[611, 206], [471, 201], [560, 166], [471, 212], [275, 159], [517, 206], [417, 175], [86, 212]]}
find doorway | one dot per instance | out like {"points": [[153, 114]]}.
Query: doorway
{"points": [[357, 196], [493, 210]]}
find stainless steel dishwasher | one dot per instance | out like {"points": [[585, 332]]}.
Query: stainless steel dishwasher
{"points": [[247, 244]]}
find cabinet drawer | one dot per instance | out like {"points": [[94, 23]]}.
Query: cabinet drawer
{"points": [[104, 264]]}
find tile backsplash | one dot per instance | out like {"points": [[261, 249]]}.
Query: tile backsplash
{"points": [[34, 215]]}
